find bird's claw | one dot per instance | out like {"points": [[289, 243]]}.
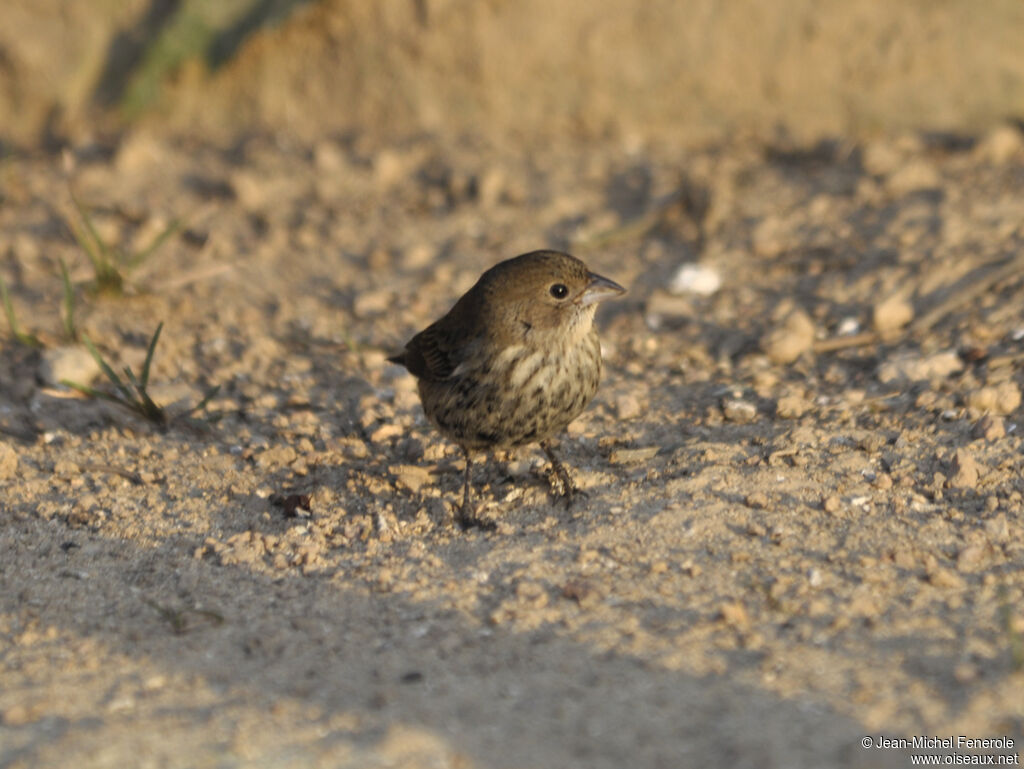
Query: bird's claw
{"points": [[467, 518], [562, 486], [571, 494], [574, 494]]}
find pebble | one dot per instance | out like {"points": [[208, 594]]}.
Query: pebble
{"points": [[329, 157], [871, 443], [8, 461], [139, 152], [491, 186], [695, 279], [904, 558], [1003, 398], [941, 577], [964, 471], [632, 456], [75, 364], [998, 528], [862, 605], [738, 410], [391, 167], [532, 594], [175, 394], [582, 591], [881, 157], [757, 500], [791, 407], [252, 189], [411, 477], [734, 614], [1000, 145], [965, 672], [628, 406], [770, 236], [418, 256], [373, 302], [848, 326], [918, 174], [892, 314], [989, 427], [970, 558], [65, 469], [918, 368], [19, 715], [789, 339], [277, 456], [662, 307]]}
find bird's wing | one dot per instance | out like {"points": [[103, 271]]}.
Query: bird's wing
{"points": [[433, 354]]}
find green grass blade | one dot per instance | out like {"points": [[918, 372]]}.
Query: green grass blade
{"points": [[152, 411], [101, 250], [93, 393], [69, 303], [149, 355], [171, 229], [26, 339], [87, 247], [12, 320], [1015, 642], [111, 374], [104, 259], [210, 395], [130, 376], [144, 404]]}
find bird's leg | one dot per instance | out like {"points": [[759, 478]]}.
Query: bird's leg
{"points": [[569, 490], [466, 513], [467, 517], [467, 480]]}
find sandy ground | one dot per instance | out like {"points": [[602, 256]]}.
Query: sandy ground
{"points": [[805, 515]]}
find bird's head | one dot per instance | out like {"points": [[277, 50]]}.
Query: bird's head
{"points": [[544, 292]]}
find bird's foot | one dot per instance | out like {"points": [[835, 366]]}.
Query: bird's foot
{"points": [[467, 517], [562, 485], [569, 491]]}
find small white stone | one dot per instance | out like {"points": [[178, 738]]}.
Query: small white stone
{"points": [[848, 326], [738, 410], [695, 279]]}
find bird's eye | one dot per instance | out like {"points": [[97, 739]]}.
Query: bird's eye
{"points": [[559, 291]]}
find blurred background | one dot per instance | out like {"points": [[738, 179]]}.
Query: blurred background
{"points": [[642, 70]]}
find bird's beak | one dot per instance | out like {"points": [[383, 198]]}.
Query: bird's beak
{"points": [[599, 289]]}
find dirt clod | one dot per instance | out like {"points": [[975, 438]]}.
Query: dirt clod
{"points": [[964, 470], [790, 339]]}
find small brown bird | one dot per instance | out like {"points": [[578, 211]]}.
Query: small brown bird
{"points": [[515, 360]]}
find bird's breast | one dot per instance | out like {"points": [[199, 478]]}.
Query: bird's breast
{"points": [[516, 395]]}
